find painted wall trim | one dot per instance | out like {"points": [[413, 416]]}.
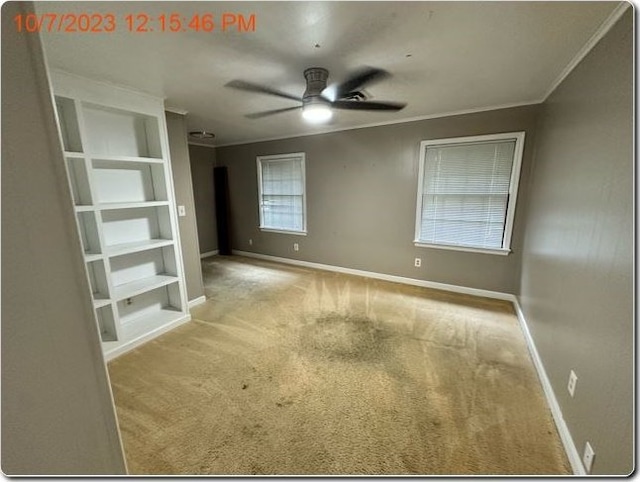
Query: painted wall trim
{"points": [[176, 110], [197, 301], [381, 276], [201, 144], [111, 85], [600, 32], [209, 253], [552, 401], [387, 123], [111, 353]]}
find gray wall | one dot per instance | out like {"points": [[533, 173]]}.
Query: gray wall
{"points": [[577, 269], [361, 200], [57, 410], [203, 160], [180, 165]]}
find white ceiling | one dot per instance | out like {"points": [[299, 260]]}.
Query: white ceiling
{"points": [[445, 57]]}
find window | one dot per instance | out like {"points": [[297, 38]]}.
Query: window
{"points": [[467, 192], [281, 193]]}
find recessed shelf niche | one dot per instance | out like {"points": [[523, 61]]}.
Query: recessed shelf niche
{"points": [[78, 177], [131, 273], [68, 123], [160, 301], [126, 181], [115, 132], [106, 323], [88, 228], [122, 227], [98, 280]]}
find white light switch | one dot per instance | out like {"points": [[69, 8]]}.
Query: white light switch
{"points": [[182, 211]]}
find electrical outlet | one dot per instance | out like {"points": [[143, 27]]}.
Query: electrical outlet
{"points": [[296, 247], [573, 379], [182, 211], [418, 262], [587, 457], [250, 242]]}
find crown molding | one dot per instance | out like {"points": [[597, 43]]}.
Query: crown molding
{"points": [[201, 144], [176, 110], [600, 32], [387, 123]]}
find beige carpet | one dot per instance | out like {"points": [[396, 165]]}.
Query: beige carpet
{"points": [[295, 371]]}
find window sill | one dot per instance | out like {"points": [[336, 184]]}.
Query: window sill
{"points": [[469, 249], [283, 231]]}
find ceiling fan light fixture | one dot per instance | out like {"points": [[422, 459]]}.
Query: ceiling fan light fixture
{"points": [[316, 113]]}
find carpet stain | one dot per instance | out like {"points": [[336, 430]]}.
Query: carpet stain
{"points": [[294, 371], [346, 337]]}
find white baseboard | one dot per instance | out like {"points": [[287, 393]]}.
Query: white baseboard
{"points": [[115, 350], [563, 430], [552, 401], [197, 301], [381, 276], [208, 253]]}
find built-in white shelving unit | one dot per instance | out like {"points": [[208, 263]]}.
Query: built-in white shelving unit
{"points": [[117, 159]]}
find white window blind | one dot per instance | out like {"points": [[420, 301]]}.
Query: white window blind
{"points": [[282, 190], [467, 191]]}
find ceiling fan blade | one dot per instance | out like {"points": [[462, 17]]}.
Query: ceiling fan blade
{"points": [[357, 80], [258, 115], [359, 105], [261, 89]]}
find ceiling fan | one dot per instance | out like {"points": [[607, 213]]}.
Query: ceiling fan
{"points": [[319, 99]]}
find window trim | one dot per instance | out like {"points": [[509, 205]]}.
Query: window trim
{"points": [[513, 189], [275, 158]]}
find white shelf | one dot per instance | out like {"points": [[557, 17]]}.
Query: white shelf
{"points": [[146, 204], [143, 324], [74, 155], [147, 160], [100, 302], [128, 248], [89, 257], [138, 331], [85, 209], [134, 288]]}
